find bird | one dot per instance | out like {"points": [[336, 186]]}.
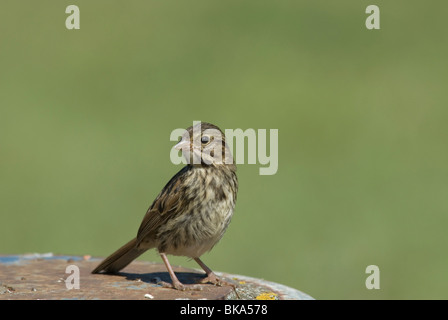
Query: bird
{"points": [[192, 212]]}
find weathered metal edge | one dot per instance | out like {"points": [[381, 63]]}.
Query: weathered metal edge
{"points": [[287, 293]]}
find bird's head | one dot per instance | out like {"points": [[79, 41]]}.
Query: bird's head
{"points": [[205, 144]]}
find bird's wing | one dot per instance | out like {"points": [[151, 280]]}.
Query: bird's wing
{"points": [[164, 206]]}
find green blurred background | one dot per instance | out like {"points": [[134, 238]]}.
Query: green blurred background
{"points": [[85, 119]]}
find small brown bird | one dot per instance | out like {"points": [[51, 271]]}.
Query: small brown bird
{"points": [[192, 212]]}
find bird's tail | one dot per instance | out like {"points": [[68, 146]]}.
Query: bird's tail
{"points": [[120, 258]]}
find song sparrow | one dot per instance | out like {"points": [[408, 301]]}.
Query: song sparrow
{"points": [[192, 212]]}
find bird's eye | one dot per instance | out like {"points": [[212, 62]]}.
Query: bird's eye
{"points": [[205, 139]]}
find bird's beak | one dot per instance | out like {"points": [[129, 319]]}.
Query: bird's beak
{"points": [[182, 145]]}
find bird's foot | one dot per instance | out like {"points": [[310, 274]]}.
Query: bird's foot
{"points": [[217, 281]]}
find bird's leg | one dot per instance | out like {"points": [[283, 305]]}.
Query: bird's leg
{"points": [[211, 276], [176, 283]]}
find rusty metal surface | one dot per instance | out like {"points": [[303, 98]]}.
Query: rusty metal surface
{"points": [[43, 276]]}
